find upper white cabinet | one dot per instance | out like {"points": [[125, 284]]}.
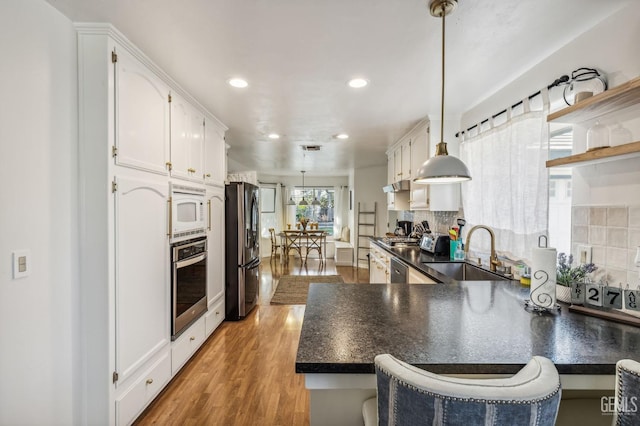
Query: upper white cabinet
{"points": [[419, 199], [142, 115], [399, 164], [187, 140], [214, 154]]}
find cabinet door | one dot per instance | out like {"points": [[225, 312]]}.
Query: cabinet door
{"points": [[419, 197], [397, 163], [419, 152], [215, 242], [390, 169], [417, 277], [215, 158], [187, 140], [406, 159], [196, 146], [142, 283], [180, 137], [142, 116]]}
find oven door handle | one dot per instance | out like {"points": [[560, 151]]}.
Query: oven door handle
{"points": [[190, 261]]}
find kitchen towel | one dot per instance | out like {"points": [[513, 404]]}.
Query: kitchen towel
{"points": [[543, 277]]}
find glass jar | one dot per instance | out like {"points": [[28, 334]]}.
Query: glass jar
{"points": [[620, 135], [597, 137]]}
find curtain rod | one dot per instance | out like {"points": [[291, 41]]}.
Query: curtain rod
{"points": [[561, 80]]}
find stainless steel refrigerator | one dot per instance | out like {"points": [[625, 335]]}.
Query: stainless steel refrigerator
{"points": [[242, 235]]}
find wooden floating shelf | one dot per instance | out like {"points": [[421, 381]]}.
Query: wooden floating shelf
{"points": [[601, 155], [609, 101]]}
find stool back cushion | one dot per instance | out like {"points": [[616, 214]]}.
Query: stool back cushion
{"points": [[627, 408], [409, 395]]}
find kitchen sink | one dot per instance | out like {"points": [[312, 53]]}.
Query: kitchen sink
{"points": [[464, 271]]}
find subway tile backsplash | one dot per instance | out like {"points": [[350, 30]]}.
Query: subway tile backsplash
{"points": [[613, 232]]}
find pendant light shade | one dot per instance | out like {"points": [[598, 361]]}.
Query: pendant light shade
{"points": [[291, 202], [315, 202], [442, 168]]}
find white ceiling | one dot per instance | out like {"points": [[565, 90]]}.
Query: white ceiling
{"points": [[298, 55]]}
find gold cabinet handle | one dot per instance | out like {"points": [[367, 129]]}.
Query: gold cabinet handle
{"points": [[170, 217], [209, 205], [207, 175], [190, 170], [217, 312], [192, 338], [168, 163], [149, 381]]}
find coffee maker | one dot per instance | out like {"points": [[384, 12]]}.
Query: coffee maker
{"points": [[403, 228]]}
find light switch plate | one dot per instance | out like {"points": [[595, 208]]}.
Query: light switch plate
{"points": [[21, 263], [584, 254]]}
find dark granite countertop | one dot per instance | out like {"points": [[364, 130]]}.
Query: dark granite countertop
{"points": [[478, 327]]}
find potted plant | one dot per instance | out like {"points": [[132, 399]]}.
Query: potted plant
{"points": [[566, 274]]}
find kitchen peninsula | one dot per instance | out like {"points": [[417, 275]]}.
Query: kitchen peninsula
{"points": [[474, 328]]}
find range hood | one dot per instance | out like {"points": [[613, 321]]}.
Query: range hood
{"points": [[399, 186]]}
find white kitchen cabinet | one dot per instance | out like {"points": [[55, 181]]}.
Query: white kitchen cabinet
{"points": [[405, 167], [187, 140], [391, 176], [124, 265], [215, 240], [417, 277], [215, 154], [185, 345], [419, 199], [142, 291], [379, 269], [142, 114]]}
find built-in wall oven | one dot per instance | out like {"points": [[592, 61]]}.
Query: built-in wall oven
{"points": [[189, 283]]}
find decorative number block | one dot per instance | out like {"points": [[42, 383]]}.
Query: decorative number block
{"points": [[632, 300], [612, 297], [594, 295], [577, 293]]}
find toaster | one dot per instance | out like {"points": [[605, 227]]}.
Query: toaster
{"points": [[436, 244]]}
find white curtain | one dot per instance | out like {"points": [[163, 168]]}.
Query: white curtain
{"points": [[339, 216], [509, 187], [280, 206]]}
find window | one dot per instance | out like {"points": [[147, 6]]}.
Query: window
{"points": [[560, 144], [267, 210], [323, 213]]}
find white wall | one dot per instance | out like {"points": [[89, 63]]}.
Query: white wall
{"points": [[39, 357], [611, 46], [367, 190]]}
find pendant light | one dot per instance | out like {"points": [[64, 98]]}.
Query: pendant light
{"points": [[442, 168], [303, 202]]}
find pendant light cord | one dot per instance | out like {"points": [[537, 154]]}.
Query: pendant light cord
{"points": [[442, 97]]}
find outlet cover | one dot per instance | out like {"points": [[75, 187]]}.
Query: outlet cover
{"points": [[584, 254], [21, 263]]}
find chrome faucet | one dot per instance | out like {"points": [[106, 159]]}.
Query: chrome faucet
{"points": [[493, 259]]}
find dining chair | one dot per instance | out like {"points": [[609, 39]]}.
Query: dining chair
{"points": [[315, 241], [627, 393], [409, 395], [275, 246], [293, 241]]}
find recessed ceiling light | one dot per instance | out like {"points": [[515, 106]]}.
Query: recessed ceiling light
{"points": [[238, 82], [342, 136], [358, 83], [274, 136]]}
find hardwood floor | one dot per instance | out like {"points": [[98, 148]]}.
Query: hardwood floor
{"points": [[244, 374]]}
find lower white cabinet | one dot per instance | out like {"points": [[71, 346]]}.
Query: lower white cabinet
{"points": [[185, 345], [417, 277], [147, 385], [214, 316]]}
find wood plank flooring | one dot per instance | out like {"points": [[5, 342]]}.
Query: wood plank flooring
{"points": [[244, 374]]}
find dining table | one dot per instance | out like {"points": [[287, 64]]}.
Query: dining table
{"points": [[303, 240]]}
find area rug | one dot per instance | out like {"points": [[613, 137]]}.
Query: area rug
{"points": [[293, 289]]}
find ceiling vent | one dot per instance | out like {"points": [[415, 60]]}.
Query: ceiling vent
{"points": [[311, 147]]}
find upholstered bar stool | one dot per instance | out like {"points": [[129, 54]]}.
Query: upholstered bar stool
{"points": [[627, 407], [408, 395]]}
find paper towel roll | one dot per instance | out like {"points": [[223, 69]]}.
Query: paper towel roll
{"points": [[543, 277]]}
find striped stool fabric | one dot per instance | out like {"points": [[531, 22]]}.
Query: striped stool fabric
{"points": [[410, 396], [627, 408]]}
